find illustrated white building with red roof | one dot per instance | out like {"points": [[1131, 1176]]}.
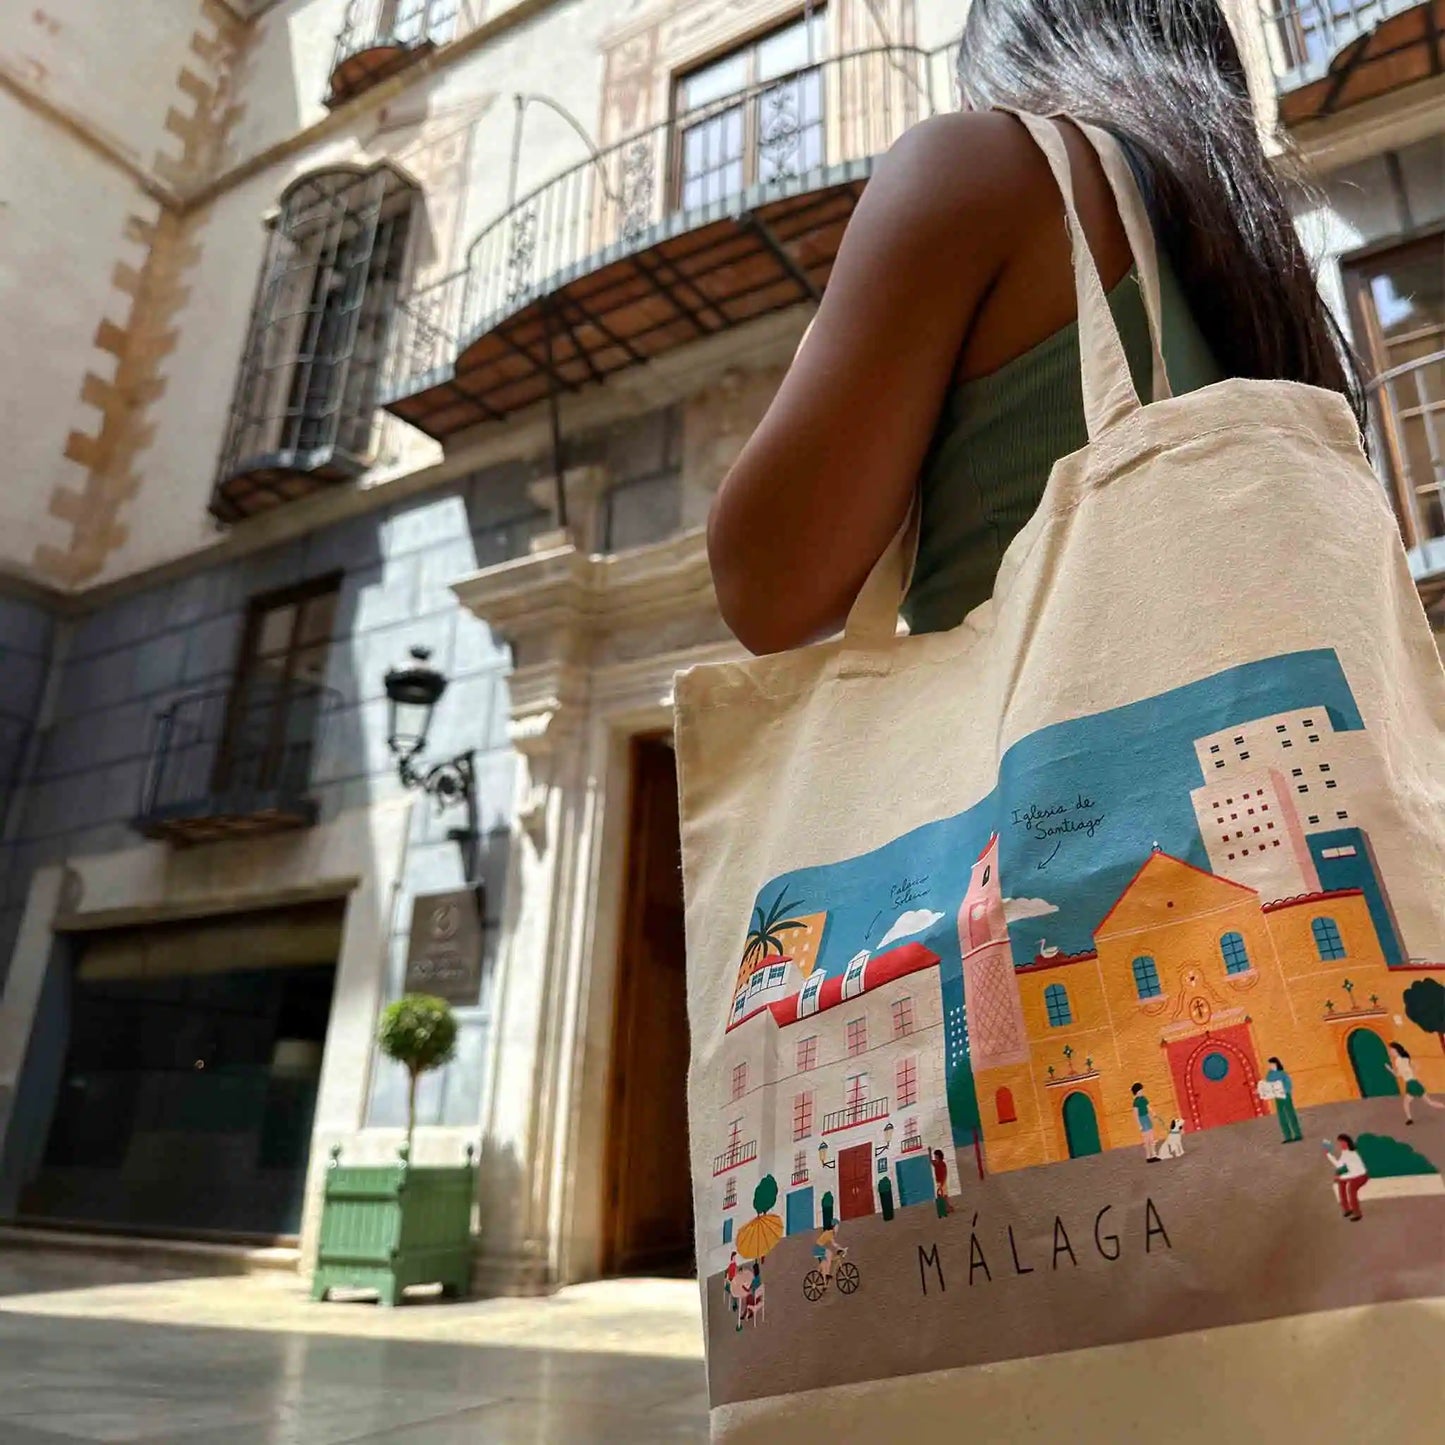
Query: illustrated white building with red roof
{"points": [[834, 1086]]}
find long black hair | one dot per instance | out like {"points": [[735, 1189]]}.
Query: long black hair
{"points": [[1165, 76]]}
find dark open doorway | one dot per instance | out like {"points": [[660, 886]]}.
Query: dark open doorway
{"points": [[192, 1061], [648, 1224]]}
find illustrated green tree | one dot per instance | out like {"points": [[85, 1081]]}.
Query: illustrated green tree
{"points": [[828, 1210], [765, 1195], [420, 1033], [765, 937], [1425, 1007]]}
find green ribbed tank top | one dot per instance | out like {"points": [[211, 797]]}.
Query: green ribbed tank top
{"points": [[1000, 435]]}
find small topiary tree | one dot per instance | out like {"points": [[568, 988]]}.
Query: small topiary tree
{"points": [[766, 1194], [420, 1033]]}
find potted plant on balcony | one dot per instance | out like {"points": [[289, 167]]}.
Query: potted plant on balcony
{"points": [[385, 1227]]}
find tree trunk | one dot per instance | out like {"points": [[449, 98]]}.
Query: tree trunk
{"points": [[411, 1080]]}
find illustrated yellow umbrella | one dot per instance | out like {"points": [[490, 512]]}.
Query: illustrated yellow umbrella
{"points": [[759, 1235]]}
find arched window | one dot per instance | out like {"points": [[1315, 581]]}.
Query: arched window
{"points": [[1056, 1002], [1234, 953], [305, 403], [1327, 938], [1003, 1103], [1146, 977]]}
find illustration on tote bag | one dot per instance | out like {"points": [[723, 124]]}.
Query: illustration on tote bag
{"points": [[1178, 939]]}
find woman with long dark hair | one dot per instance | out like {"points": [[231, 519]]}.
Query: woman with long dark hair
{"points": [[944, 360]]}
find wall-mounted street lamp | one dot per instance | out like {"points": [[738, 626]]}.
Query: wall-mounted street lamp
{"points": [[412, 694], [823, 1159]]}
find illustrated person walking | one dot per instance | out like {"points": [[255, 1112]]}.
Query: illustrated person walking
{"points": [[940, 1184], [1146, 1123], [1403, 1068], [1351, 1176], [1284, 1108]]}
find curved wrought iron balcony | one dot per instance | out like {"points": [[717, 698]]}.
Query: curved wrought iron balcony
{"points": [[714, 217], [379, 37], [1408, 405], [1328, 55], [236, 761]]}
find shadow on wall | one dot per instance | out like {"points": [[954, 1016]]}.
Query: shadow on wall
{"points": [[26, 1130]]}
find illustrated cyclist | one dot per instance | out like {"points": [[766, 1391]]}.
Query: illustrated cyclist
{"points": [[826, 1251]]}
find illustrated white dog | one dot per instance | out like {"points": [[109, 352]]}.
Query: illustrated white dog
{"points": [[1172, 1146]]}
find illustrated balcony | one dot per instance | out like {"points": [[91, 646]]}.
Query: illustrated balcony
{"points": [[1408, 417], [863, 1113], [1328, 55], [235, 762], [378, 38], [711, 219], [736, 1155]]}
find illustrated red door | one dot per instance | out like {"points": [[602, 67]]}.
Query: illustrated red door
{"points": [[855, 1182], [1216, 1077]]}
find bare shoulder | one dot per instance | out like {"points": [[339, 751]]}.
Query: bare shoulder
{"points": [[971, 162]]}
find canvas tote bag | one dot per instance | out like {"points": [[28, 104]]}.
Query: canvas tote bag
{"points": [[1037, 968]]}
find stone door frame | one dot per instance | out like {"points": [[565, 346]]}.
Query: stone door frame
{"points": [[597, 641]]}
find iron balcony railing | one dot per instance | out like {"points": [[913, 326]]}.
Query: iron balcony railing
{"points": [[236, 753], [731, 1158], [1408, 412], [1304, 36], [377, 37], [863, 1113], [788, 135]]}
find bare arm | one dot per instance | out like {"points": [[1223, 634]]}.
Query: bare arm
{"points": [[826, 480]]}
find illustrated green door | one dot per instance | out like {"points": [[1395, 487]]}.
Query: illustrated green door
{"points": [[1081, 1126], [1371, 1062]]}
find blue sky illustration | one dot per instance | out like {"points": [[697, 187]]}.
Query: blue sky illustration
{"points": [[1120, 781]]}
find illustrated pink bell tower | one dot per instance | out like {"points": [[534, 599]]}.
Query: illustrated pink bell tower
{"points": [[996, 1032]]}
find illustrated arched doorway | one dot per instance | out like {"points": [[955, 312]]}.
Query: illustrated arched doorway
{"points": [[1081, 1126], [1222, 1083], [1371, 1062]]}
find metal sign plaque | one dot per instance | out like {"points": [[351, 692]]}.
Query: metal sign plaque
{"points": [[445, 953]]}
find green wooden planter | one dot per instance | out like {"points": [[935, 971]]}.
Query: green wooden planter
{"points": [[385, 1227]]}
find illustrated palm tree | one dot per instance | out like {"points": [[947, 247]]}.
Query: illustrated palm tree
{"points": [[765, 937]]}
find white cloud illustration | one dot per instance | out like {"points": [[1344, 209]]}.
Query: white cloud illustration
{"points": [[915, 921], [1015, 910]]}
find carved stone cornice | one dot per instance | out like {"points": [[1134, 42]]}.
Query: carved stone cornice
{"points": [[557, 605]]}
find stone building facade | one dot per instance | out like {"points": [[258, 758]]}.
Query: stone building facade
{"points": [[343, 327]]}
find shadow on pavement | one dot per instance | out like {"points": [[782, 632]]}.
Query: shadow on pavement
{"points": [[66, 1379]]}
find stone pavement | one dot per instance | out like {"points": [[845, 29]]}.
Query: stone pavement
{"points": [[94, 1349]]}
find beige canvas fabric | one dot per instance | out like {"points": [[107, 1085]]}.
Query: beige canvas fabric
{"points": [[995, 936]]}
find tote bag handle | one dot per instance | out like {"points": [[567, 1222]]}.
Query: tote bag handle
{"points": [[1108, 385]]}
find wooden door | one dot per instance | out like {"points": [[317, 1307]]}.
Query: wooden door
{"points": [[855, 1181], [649, 1218]]}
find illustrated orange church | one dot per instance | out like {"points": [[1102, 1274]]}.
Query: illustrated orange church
{"points": [[1194, 982]]}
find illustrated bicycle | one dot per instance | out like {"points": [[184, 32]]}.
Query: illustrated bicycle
{"points": [[845, 1273]]}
